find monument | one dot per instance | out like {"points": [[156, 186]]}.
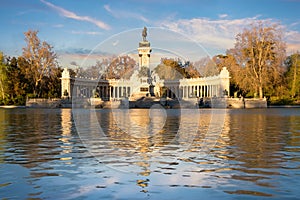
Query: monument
{"points": [[145, 86], [144, 50], [143, 77]]}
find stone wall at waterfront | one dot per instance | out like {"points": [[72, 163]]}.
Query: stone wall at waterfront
{"points": [[246, 103], [48, 103], [235, 103]]}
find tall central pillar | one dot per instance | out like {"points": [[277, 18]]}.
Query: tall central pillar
{"points": [[144, 51]]}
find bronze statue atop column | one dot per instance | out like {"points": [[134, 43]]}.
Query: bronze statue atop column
{"points": [[144, 34]]}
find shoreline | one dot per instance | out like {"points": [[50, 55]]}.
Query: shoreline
{"points": [[269, 106], [12, 106], [284, 106]]}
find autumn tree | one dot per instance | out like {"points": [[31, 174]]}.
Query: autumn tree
{"points": [[42, 62], [293, 75], [121, 67], [207, 67], [144, 72], [234, 69], [259, 52], [174, 69]]}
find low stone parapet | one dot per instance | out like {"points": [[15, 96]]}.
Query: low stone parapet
{"points": [[255, 103], [42, 103], [235, 103], [246, 103]]}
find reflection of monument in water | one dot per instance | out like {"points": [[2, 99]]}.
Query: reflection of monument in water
{"points": [[145, 84]]}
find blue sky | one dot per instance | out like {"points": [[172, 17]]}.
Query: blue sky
{"points": [[75, 28]]}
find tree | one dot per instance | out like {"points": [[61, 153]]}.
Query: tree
{"points": [[293, 74], [234, 69], [144, 72], [120, 67], [17, 84], [259, 52], [174, 69], [41, 59], [207, 67], [3, 77]]}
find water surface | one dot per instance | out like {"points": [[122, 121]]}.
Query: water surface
{"points": [[146, 154]]}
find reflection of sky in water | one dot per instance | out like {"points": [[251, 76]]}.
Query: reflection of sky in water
{"points": [[255, 156]]}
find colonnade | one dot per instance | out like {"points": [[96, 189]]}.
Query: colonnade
{"points": [[192, 91], [182, 91], [118, 92], [207, 87]]}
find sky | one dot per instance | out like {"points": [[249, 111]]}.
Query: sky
{"points": [[91, 29]]}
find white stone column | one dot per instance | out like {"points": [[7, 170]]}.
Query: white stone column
{"points": [[186, 91]]}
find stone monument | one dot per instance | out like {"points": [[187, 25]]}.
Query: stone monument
{"points": [[142, 79], [144, 50]]}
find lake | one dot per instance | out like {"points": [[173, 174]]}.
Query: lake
{"points": [[150, 154]]}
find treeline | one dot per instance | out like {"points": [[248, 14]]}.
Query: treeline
{"points": [[258, 66], [34, 74]]}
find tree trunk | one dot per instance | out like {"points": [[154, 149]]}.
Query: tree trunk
{"points": [[261, 95]]}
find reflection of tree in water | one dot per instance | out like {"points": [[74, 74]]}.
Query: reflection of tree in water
{"points": [[32, 145], [253, 141], [257, 139]]}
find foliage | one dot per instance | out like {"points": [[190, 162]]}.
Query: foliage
{"points": [[144, 72], [121, 67], [33, 74], [171, 69], [207, 67], [258, 53], [3, 78], [293, 75], [39, 65]]}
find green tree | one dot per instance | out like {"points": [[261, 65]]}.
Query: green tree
{"points": [[259, 52], [17, 83], [293, 75], [3, 78]]}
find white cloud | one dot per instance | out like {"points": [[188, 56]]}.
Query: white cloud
{"points": [[86, 32], [223, 16], [107, 8], [125, 14], [72, 15], [293, 41], [220, 34], [58, 25]]}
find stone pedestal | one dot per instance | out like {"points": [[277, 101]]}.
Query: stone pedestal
{"points": [[144, 51]]}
